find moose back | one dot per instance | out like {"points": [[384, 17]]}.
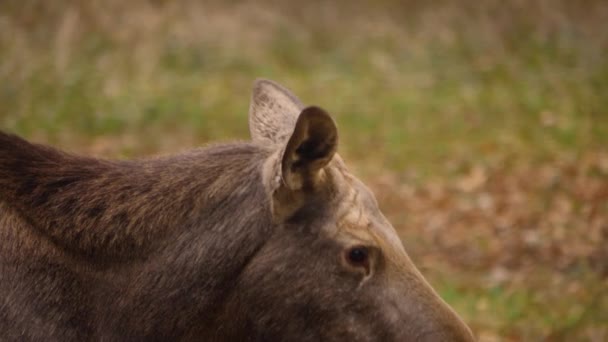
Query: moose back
{"points": [[267, 240]]}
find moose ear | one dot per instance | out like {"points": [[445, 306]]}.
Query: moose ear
{"points": [[310, 148], [272, 113]]}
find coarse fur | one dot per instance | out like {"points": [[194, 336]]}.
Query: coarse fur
{"points": [[232, 242]]}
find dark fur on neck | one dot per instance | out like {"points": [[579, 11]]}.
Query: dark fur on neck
{"points": [[119, 209]]}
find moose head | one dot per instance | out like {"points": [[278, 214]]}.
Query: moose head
{"points": [[333, 267]]}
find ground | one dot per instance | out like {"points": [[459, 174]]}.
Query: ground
{"points": [[481, 126]]}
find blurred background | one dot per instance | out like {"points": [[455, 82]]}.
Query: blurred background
{"points": [[482, 126]]}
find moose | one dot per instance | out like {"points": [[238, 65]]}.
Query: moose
{"points": [[267, 240]]}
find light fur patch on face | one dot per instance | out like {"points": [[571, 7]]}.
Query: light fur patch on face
{"points": [[352, 219], [359, 219]]}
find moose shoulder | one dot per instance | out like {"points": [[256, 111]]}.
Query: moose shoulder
{"points": [[267, 240]]}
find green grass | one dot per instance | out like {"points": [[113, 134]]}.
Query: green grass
{"points": [[418, 91], [402, 101], [521, 312]]}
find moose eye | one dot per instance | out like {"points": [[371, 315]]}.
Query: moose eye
{"points": [[358, 255]]}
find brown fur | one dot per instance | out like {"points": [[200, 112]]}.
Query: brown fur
{"points": [[242, 241]]}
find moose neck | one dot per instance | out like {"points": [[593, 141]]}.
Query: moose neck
{"points": [[112, 211], [225, 227]]}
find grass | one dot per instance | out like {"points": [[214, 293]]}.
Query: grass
{"points": [[420, 92], [523, 313]]}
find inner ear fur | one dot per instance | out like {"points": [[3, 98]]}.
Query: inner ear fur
{"points": [[310, 148], [300, 166]]}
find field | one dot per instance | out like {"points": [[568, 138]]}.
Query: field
{"points": [[481, 126]]}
